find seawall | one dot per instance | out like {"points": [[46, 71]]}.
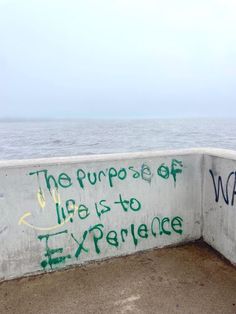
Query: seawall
{"points": [[59, 212]]}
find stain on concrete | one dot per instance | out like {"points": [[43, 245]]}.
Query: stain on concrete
{"points": [[3, 229]]}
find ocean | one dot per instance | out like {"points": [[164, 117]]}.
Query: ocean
{"points": [[50, 138]]}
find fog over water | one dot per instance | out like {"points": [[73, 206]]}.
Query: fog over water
{"points": [[36, 139]]}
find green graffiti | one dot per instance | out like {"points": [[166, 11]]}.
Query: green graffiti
{"points": [[135, 240], [176, 168], [177, 222], [83, 211], [96, 238], [176, 163], [63, 180], [80, 245], [70, 208], [163, 222], [136, 173], [163, 171], [143, 231], [152, 226], [113, 238], [109, 176], [166, 223], [67, 212], [122, 233], [81, 175], [101, 208], [132, 204], [51, 251]]}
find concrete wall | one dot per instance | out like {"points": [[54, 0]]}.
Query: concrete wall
{"points": [[66, 211], [219, 202]]}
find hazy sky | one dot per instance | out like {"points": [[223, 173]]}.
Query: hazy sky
{"points": [[117, 58]]}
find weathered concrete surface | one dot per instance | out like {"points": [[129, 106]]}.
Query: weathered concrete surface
{"points": [[114, 205], [59, 212], [219, 204], [188, 279]]}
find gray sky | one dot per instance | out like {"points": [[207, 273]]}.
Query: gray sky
{"points": [[117, 58]]}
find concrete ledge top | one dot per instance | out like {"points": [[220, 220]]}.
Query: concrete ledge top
{"points": [[217, 152]]}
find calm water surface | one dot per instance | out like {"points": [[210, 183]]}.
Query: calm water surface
{"points": [[21, 139]]}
